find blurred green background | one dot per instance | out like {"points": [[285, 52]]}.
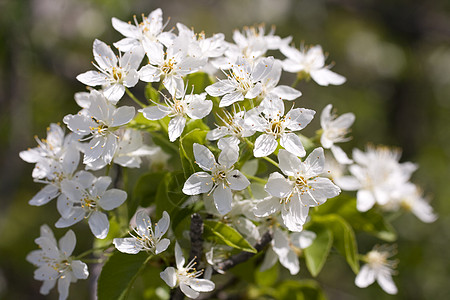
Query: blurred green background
{"points": [[395, 55]]}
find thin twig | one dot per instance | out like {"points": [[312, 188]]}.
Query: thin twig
{"points": [[244, 256]]}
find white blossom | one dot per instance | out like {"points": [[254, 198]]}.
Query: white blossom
{"points": [[274, 125], [222, 180], [144, 237], [86, 197], [243, 81], [312, 63], [378, 268], [150, 29], [186, 277], [410, 198], [334, 131], [55, 263], [100, 121], [285, 247], [170, 66], [304, 188], [194, 106], [376, 175], [114, 74]]}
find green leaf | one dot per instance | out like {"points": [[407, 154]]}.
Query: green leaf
{"points": [[119, 273], [151, 93], [196, 124], [299, 289], [169, 196], [268, 277], [186, 149], [141, 123], [227, 235], [316, 254], [144, 192], [344, 238], [371, 221], [199, 80]]}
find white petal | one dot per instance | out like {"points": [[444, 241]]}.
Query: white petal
{"points": [[162, 225], [230, 98], [325, 77], [303, 239], [112, 198], [364, 200], [198, 109], [269, 260], [230, 153], [204, 157], [286, 92], [149, 73], [95, 149], [125, 28], [101, 184], [287, 257], [265, 145], [289, 163], [80, 269], [71, 160], [114, 92], [237, 180], [127, 245], [46, 194], [292, 143], [198, 183], [262, 69], [99, 224], [340, 155], [143, 222], [93, 78], [76, 216], [190, 293], [162, 246], [201, 285], [156, 112], [169, 275], [314, 163], [47, 286], [222, 199], [348, 183], [67, 243], [278, 186], [295, 214], [266, 207], [63, 286], [79, 124], [179, 258], [384, 279], [176, 127], [73, 190], [122, 116], [298, 118], [220, 88], [103, 55], [365, 277], [254, 91]]}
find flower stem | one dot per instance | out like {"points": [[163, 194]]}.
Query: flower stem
{"points": [[257, 179], [133, 97], [85, 253]]}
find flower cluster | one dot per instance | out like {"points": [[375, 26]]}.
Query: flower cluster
{"points": [[266, 176]]}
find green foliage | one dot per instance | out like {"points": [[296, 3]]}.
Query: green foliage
{"points": [[145, 190], [199, 81], [371, 221], [224, 234], [141, 123], [299, 290], [169, 196], [186, 149], [151, 93], [343, 237], [268, 277], [316, 254], [119, 273]]}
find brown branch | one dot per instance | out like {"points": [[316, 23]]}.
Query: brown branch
{"points": [[244, 256]]}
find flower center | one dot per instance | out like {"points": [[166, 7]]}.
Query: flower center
{"points": [[117, 74], [168, 66], [276, 128]]}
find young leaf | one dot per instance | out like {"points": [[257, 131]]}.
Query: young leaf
{"points": [[151, 93], [344, 238], [169, 195], [119, 273], [199, 80], [186, 149], [227, 235], [316, 254], [141, 123], [144, 192]]}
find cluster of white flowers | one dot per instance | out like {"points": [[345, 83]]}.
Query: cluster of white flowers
{"points": [[252, 124]]}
